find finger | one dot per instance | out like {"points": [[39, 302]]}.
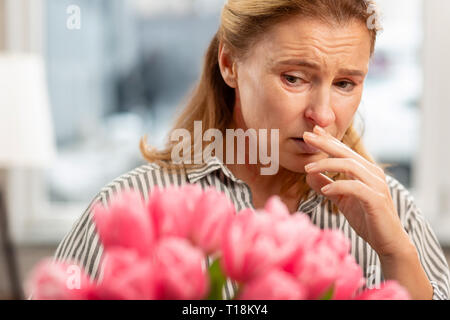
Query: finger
{"points": [[331, 145], [352, 168], [317, 181], [353, 188]]}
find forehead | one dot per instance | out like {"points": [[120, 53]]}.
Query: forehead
{"points": [[321, 43]]}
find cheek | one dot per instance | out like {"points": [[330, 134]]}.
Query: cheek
{"points": [[249, 96], [284, 109], [263, 103], [344, 110]]}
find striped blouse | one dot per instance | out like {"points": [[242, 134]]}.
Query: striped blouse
{"points": [[81, 243]]}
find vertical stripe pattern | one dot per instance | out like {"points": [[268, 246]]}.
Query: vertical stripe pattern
{"points": [[82, 245]]}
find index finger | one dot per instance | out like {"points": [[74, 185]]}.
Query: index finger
{"points": [[326, 142]]}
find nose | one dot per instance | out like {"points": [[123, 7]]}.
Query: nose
{"points": [[319, 110]]}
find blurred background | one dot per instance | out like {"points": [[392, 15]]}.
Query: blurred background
{"points": [[84, 80]]}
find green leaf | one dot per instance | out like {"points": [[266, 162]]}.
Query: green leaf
{"points": [[217, 281], [328, 295]]}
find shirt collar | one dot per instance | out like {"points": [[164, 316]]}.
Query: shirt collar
{"points": [[212, 164]]}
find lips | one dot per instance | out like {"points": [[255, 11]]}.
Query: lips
{"points": [[304, 147]]}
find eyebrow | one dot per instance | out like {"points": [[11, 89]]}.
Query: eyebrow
{"points": [[315, 66]]}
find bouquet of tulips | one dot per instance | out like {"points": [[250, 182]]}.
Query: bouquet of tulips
{"points": [[157, 249]]}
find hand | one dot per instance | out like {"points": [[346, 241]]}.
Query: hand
{"points": [[365, 200]]}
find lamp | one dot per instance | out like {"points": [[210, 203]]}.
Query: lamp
{"points": [[26, 135]]}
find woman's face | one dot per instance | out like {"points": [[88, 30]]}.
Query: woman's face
{"points": [[302, 73]]}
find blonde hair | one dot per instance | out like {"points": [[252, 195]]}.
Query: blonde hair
{"points": [[242, 24]]}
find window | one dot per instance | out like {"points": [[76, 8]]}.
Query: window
{"points": [[120, 76], [391, 102]]}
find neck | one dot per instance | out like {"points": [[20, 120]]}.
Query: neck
{"points": [[251, 173], [271, 184]]}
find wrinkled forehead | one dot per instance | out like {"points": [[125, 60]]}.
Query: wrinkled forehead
{"points": [[320, 44]]}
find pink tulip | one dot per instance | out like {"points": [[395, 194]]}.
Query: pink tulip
{"points": [[274, 285], [336, 241], [58, 281], [210, 218], [255, 242], [348, 280], [180, 270], [125, 223], [348, 276], [157, 251], [126, 276], [249, 247], [318, 270], [294, 236], [389, 290], [292, 233], [320, 264], [171, 209], [276, 208]]}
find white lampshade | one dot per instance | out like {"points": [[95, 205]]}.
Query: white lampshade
{"points": [[26, 132]]}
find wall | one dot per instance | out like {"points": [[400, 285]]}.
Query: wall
{"points": [[2, 25]]}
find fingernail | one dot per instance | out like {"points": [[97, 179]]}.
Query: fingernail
{"points": [[326, 188], [310, 135], [320, 130], [310, 166]]}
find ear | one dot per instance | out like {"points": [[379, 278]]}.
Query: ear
{"points": [[227, 66]]}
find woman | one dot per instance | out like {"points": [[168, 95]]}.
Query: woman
{"points": [[298, 67]]}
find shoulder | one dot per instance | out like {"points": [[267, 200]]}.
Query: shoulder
{"points": [[403, 199], [144, 179], [396, 187], [421, 233], [410, 214], [82, 238]]}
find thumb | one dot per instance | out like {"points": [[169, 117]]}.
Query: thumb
{"points": [[317, 181]]}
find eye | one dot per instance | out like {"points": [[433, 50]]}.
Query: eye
{"points": [[346, 85], [292, 79]]}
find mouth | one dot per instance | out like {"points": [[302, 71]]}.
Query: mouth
{"points": [[304, 147]]}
